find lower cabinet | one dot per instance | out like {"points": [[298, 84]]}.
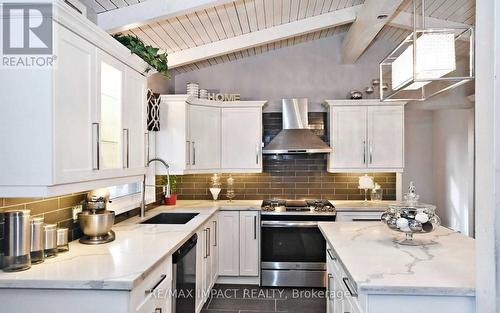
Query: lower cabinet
{"points": [[206, 261], [239, 243], [342, 298], [154, 293]]}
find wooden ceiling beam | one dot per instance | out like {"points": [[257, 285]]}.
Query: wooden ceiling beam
{"points": [[370, 20], [146, 12], [264, 36]]}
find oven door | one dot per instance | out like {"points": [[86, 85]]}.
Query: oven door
{"points": [[293, 253]]}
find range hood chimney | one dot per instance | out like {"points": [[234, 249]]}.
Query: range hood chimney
{"points": [[295, 137]]}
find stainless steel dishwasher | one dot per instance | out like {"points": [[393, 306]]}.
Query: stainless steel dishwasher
{"points": [[184, 277]]}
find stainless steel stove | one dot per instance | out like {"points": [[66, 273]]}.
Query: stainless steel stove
{"points": [[311, 206], [293, 250]]}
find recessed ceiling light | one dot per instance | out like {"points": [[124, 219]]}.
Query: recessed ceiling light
{"points": [[382, 16]]}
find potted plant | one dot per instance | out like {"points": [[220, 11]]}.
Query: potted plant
{"points": [[172, 199]]}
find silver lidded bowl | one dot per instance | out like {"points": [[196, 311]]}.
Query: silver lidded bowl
{"points": [[411, 217]]}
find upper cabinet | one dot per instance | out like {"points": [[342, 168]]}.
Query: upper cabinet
{"points": [[241, 138], [366, 136], [78, 125], [203, 136]]}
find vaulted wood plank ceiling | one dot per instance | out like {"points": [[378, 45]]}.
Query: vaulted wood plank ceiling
{"points": [[232, 19]]}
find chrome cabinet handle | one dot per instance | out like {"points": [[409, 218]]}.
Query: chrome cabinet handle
{"points": [[126, 139], [349, 287], [329, 251], [255, 227], [215, 233], [364, 152], [188, 152], [96, 147], [371, 152], [151, 290], [158, 310], [146, 136], [194, 154], [257, 154], [206, 250], [208, 241], [330, 277]]}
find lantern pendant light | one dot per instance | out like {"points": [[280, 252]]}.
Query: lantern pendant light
{"points": [[426, 63]]}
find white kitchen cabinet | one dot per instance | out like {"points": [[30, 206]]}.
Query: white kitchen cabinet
{"points": [[229, 243], [66, 134], [366, 136], [134, 128], [348, 137], [358, 216], [249, 243], [108, 129], [239, 241], [154, 293], [385, 137], [204, 136], [241, 138], [74, 111], [206, 256]]}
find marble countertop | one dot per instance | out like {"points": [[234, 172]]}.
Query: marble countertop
{"points": [[122, 264], [377, 265], [118, 265]]}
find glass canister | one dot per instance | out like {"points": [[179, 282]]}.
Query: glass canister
{"points": [[377, 193], [411, 217]]}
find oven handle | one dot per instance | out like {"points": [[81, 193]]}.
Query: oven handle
{"points": [[309, 224]]}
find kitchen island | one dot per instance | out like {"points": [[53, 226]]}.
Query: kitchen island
{"points": [[370, 273]]}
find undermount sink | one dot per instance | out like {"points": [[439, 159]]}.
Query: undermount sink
{"points": [[170, 218]]}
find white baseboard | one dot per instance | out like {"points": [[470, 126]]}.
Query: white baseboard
{"points": [[238, 280]]}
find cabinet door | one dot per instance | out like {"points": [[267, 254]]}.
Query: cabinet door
{"points": [[241, 138], [134, 128], [204, 132], [385, 137], [215, 250], [249, 243], [348, 138], [75, 98], [111, 76], [229, 244]]}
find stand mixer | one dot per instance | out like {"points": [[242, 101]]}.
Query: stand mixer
{"points": [[95, 221]]}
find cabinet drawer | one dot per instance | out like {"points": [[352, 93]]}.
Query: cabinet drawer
{"points": [[155, 288], [359, 216]]}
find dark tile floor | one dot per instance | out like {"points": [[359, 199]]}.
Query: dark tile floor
{"points": [[254, 299]]}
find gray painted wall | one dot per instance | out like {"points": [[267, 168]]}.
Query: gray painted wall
{"points": [[311, 69], [437, 150]]}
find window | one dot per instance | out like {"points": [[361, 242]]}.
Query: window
{"points": [[124, 190]]}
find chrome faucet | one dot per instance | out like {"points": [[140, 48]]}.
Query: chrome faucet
{"points": [[143, 203]]}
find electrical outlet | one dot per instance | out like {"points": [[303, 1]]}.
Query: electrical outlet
{"points": [[76, 209]]}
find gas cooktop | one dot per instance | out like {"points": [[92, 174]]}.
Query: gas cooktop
{"points": [[306, 206]]}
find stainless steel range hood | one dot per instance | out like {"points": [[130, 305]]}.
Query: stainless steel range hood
{"points": [[295, 137]]}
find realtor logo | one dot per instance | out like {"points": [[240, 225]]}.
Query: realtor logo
{"points": [[27, 28]]}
